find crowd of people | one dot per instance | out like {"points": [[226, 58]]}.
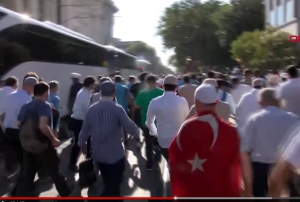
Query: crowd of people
{"points": [[221, 135]]}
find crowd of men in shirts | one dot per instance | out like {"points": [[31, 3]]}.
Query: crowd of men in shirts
{"points": [[187, 117]]}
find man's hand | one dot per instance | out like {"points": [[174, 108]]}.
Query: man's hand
{"points": [[84, 149], [55, 142]]}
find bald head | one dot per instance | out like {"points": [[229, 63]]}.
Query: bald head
{"points": [[267, 97]]}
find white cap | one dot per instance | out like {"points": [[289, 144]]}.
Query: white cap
{"points": [[171, 79], [206, 94], [160, 81], [75, 75]]}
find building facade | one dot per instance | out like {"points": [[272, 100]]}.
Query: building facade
{"points": [[38, 9], [284, 15], [93, 18]]}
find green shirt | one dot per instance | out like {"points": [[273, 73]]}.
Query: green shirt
{"points": [[143, 100]]}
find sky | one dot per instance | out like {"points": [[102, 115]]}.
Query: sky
{"points": [[137, 20]]}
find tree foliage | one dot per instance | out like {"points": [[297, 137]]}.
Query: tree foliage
{"points": [[265, 49], [204, 31], [140, 47]]}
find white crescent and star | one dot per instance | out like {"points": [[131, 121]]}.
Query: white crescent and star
{"points": [[196, 162]]}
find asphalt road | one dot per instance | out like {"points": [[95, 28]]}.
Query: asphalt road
{"points": [[136, 182]]}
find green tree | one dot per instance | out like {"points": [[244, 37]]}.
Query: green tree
{"points": [[270, 49], [204, 31], [140, 47]]}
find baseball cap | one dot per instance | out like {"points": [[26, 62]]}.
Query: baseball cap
{"points": [[30, 81], [107, 88], [171, 80], [212, 82], [75, 75], [206, 94]]}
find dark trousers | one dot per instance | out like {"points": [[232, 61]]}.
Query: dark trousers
{"points": [[13, 151], [75, 126], [48, 161], [112, 175], [260, 179], [164, 153], [149, 141]]}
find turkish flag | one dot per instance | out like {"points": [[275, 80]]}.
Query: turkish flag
{"points": [[205, 158]]}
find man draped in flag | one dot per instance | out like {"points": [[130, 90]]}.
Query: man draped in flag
{"points": [[205, 154]]}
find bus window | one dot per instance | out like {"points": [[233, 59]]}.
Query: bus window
{"points": [[26, 42]]}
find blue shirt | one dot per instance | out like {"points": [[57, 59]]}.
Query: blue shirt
{"points": [[55, 100], [122, 94], [104, 122], [195, 82], [42, 108], [180, 83]]}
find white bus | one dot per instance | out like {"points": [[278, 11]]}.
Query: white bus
{"points": [[28, 45]]}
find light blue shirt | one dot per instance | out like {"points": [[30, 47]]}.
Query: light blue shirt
{"points": [[55, 100], [16, 101]]}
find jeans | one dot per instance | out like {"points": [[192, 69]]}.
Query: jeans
{"points": [[76, 128], [112, 175], [48, 160]]}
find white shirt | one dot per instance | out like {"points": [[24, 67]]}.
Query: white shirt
{"points": [[291, 154], [239, 91], [16, 101], [247, 106], [4, 94], [267, 131], [170, 112], [81, 104], [229, 100], [289, 93]]}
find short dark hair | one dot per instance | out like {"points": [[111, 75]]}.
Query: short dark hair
{"points": [[193, 76], [247, 72], [211, 75], [257, 73], [170, 87], [53, 84], [292, 71], [40, 89], [31, 74], [186, 78], [258, 87], [118, 79], [220, 83], [151, 79], [143, 76], [131, 78], [88, 81], [11, 81]]}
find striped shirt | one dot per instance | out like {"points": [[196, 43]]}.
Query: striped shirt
{"points": [[105, 121]]}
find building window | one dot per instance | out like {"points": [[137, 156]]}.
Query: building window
{"points": [[289, 11], [279, 13]]}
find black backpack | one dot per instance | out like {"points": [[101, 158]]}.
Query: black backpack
{"points": [[30, 132]]}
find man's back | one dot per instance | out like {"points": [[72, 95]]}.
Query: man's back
{"points": [[289, 93], [187, 91], [247, 106], [204, 163], [122, 94]]}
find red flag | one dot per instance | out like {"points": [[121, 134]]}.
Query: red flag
{"points": [[205, 159]]}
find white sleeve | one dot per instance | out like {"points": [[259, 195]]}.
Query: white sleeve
{"points": [[150, 120], [292, 152]]}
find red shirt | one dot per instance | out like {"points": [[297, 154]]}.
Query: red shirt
{"points": [[204, 163]]}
